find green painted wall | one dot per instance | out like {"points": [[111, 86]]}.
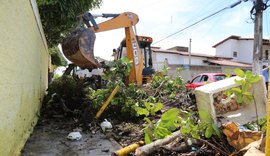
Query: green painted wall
{"points": [[24, 65]]}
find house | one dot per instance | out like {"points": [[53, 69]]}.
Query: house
{"points": [[240, 49], [192, 63], [24, 66], [178, 55]]}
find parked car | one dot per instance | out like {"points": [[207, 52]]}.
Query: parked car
{"points": [[205, 78]]}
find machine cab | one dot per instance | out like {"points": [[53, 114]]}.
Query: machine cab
{"points": [[145, 47]]}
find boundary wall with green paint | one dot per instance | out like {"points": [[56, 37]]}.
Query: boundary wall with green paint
{"points": [[24, 61]]}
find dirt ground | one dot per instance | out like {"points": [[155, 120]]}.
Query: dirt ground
{"points": [[50, 139]]}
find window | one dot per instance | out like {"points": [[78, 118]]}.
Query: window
{"points": [[235, 54], [124, 52], [204, 78], [219, 77], [266, 54], [197, 79]]}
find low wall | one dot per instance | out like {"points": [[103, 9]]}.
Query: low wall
{"points": [[192, 71]]}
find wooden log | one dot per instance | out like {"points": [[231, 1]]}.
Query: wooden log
{"points": [[149, 148]]}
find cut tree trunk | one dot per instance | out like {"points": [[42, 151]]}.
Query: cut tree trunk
{"points": [[149, 148]]}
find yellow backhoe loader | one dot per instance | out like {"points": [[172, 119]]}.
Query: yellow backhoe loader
{"points": [[78, 47], [145, 48]]}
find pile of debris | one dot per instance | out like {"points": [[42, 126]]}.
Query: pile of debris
{"points": [[159, 118]]}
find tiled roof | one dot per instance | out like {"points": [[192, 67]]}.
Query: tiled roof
{"points": [[185, 53], [226, 39], [265, 41], [229, 63], [180, 53]]}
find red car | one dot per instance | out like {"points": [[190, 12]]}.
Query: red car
{"points": [[204, 78]]}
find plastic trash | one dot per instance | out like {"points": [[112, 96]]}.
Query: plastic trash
{"points": [[74, 136], [105, 125]]}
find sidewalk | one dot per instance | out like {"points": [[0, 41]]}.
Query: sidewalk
{"points": [[49, 139]]}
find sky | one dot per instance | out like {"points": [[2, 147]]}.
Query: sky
{"points": [[159, 19]]}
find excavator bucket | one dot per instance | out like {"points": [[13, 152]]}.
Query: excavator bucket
{"points": [[78, 47]]}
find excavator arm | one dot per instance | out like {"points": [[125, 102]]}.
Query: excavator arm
{"points": [[123, 20], [79, 46]]}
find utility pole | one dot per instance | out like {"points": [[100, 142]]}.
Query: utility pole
{"points": [[189, 59], [189, 53], [257, 46]]}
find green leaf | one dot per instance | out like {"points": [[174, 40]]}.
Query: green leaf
{"points": [[247, 94], [238, 81], [216, 129], [141, 111], [148, 120], [185, 130], [237, 90], [158, 107], [249, 74], [246, 87], [209, 132], [147, 105], [255, 78], [195, 135], [239, 72], [171, 114], [151, 99], [126, 60], [239, 99], [147, 136], [169, 124], [161, 132]]}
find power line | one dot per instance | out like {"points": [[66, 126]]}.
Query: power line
{"points": [[211, 7], [228, 7], [202, 13], [196, 28]]}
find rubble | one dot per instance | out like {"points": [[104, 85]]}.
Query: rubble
{"points": [[162, 110], [240, 114], [239, 138]]}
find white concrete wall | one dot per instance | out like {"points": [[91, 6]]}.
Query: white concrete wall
{"points": [[177, 59], [198, 61], [234, 48], [224, 49], [245, 113], [244, 49], [172, 58], [245, 53]]}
